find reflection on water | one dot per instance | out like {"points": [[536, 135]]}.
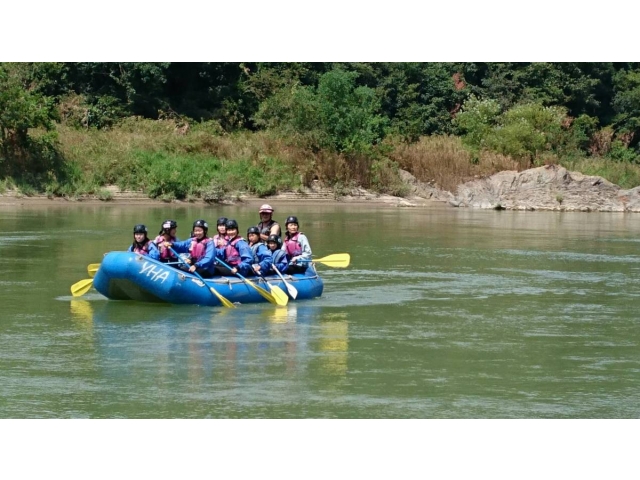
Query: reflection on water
{"points": [[82, 311], [334, 342], [282, 314], [199, 348]]}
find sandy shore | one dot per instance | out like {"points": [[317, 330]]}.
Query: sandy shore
{"points": [[361, 197]]}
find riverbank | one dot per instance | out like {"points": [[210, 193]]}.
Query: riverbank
{"points": [[315, 194], [544, 188]]}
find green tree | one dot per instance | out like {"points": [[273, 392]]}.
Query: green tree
{"points": [[476, 120], [22, 108], [117, 89], [626, 102], [418, 98], [526, 131], [349, 114], [337, 114]]}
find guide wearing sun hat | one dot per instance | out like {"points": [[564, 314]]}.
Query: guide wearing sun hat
{"points": [[267, 226]]}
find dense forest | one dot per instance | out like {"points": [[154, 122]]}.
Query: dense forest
{"points": [[204, 130]]}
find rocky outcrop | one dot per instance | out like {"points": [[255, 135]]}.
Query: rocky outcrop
{"points": [[547, 188], [418, 189]]}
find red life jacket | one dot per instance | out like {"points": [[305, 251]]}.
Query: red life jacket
{"points": [[142, 250], [198, 248], [231, 253], [292, 246], [165, 253], [219, 240]]}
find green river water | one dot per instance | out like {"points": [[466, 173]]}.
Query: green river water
{"points": [[443, 313]]}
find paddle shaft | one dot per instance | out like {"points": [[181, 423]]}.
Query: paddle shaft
{"points": [[260, 290], [213, 291]]}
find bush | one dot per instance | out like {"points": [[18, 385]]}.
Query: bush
{"points": [[337, 115], [476, 120], [105, 195], [621, 153]]}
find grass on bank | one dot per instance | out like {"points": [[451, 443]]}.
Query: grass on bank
{"points": [[161, 160], [167, 161]]}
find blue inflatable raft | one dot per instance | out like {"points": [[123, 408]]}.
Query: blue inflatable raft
{"points": [[130, 276]]}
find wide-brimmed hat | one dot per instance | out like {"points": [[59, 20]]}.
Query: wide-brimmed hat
{"points": [[266, 208]]}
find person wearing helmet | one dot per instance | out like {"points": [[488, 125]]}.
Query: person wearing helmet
{"points": [[141, 243], [262, 259], [235, 253], [220, 238], [167, 234], [280, 259], [267, 226], [297, 246], [200, 249]]}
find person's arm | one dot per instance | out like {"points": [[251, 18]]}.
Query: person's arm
{"points": [[280, 260], [182, 247], [265, 260], [246, 257], [305, 256], [205, 262], [153, 251]]}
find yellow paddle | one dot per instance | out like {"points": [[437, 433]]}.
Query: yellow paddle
{"points": [[80, 288], [223, 300], [92, 268], [337, 260], [290, 288], [276, 300], [278, 293]]}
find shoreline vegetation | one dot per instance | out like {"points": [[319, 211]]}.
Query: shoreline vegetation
{"points": [[354, 131]]}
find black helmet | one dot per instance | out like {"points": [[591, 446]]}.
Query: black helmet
{"points": [[202, 224], [231, 223], [167, 226], [276, 239], [140, 228], [291, 220], [255, 230], [222, 221]]}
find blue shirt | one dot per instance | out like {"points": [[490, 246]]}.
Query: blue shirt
{"points": [[262, 256], [205, 262], [246, 256], [280, 260]]}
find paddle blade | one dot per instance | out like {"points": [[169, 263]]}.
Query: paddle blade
{"points": [[262, 291], [92, 269], [223, 300], [291, 289], [81, 287], [279, 295], [337, 260]]}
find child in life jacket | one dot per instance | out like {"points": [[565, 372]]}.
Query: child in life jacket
{"points": [[262, 259], [200, 249], [297, 247], [280, 259], [236, 253], [167, 234], [141, 243], [220, 238]]}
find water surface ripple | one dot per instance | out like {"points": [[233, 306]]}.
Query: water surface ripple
{"points": [[443, 313]]}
